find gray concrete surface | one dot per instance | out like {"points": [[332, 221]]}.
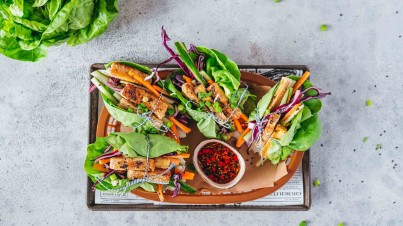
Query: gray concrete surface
{"points": [[43, 117]]}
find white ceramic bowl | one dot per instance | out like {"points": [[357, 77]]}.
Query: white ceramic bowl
{"points": [[208, 180]]}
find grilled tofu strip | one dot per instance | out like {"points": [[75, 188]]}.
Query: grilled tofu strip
{"points": [[282, 88], [188, 90], [236, 113], [218, 93], [125, 104], [271, 125], [154, 176], [278, 132], [140, 164], [162, 163], [121, 71], [126, 163], [140, 96]]}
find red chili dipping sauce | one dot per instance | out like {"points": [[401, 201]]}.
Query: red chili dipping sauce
{"points": [[218, 162]]}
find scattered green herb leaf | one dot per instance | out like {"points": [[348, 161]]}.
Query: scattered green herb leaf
{"points": [[217, 107], [365, 139], [202, 95], [276, 1], [208, 104], [378, 146], [170, 112], [316, 182], [341, 224], [169, 124], [368, 103], [323, 27], [303, 223], [142, 108]]}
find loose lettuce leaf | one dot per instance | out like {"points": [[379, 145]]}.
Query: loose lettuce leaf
{"points": [[224, 71], [229, 65], [30, 27], [227, 81], [81, 14], [289, 135], [263, 104], [129, 119], [205, 123], [247, 104], [307, 134], [135, 144], [105, 12]]}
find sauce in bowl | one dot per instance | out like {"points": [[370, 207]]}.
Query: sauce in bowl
{"points": [[219, 163]]}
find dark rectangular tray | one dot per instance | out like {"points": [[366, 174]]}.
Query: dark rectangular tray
{"points": [[306, 170]]}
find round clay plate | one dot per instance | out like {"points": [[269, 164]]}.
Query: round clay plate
{"points": [[107, 124]]}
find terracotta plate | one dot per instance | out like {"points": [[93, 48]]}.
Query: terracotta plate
{"points": [[107, 124]]}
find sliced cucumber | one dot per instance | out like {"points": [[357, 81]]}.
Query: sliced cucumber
{"points": [[101, 77], [105, 92]]}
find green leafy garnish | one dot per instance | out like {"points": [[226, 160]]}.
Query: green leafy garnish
{"points": [[217, 107], [142, 108], [276, 1], [208, 104], [368, 103], [168, 124], [201, 96], [303, 223], [170, 112], [29, 28], [316, 182], [341, 224], [378, 146], [365, 139], [323, 27]]}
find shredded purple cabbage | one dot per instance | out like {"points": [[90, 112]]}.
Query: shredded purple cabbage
{"points": [[182, 118], [199, 61], [177, 184], [165, 38], [107, 149], [92, 88], [108, 155], [111, 84]]}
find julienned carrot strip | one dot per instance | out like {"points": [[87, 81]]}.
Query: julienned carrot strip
{"points": [[188, 175], [159, 89], [238, 125], [176, 161], [183, 155], [293, 109], [104, 161], [187, 79], [159, 192], [145, 84], [240, 140], [175, 132], [300, 81], [244, 117], [211, 82], [180, 125], [100, 167]]}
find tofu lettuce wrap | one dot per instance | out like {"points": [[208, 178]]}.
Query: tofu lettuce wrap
{"points": [[135, 98], [209, 88], [285, 119], [122, 162]]}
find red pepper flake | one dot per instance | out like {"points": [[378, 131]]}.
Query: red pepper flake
{"points": [[219, 163]]}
